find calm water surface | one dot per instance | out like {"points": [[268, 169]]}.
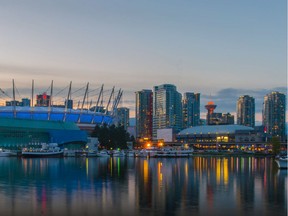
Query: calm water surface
{"points": [[140, 186]]}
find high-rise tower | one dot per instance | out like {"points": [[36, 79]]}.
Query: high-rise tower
{"points": [[167, 108], [274, 115], [143, 113], [123, 117], [210, 108], [191, 109], [246, 111]]}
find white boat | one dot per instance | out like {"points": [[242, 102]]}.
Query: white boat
{"points": [[130, 153], [102, 153], [118, 153], [47, 150], [149, 152], [282, 162], [174, 152], [91, 154], [6, 153]]}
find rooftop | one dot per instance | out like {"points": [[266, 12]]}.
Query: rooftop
{"points": [[214, 129]]}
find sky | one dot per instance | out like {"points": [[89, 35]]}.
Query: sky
{"points": [[222, 49]]}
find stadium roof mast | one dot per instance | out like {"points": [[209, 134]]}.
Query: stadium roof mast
{"points": [[83, 102], [97, 103], [50, 101], [68, 98], [14, 104], [106, 110], [116, 102], [32, 95]]}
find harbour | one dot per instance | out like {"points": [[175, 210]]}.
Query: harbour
{"points": [[142, 186]]}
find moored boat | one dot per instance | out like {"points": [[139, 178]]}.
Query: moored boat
{"points": [[282, 162], [6, 153], [47, 150], [102, 153], [148, 152], [118, 153], [174, 152], [130, 153]]}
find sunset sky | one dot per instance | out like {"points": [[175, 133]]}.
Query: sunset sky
{"points": [[222, 49]]}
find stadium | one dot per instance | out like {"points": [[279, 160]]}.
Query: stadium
{"points": [[25, 122]]}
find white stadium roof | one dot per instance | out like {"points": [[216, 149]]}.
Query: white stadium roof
{"points": [[214, 129]]}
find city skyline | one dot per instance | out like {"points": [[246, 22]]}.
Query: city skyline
{"points": [[221, 50]]}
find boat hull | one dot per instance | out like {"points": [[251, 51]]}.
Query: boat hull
{"points": [[42, 155], [282, 163], [6, 154]]}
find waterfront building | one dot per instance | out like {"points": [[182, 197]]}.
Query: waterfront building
{"points": [[209, 136], [210, 106], [68, 104], [274, 115], [13, 103], [16, 133], [167, 108], [123, 117], [227, 118], [213, 118], [246, 111], [143, 113], [24, 102], [191, 109], [43, 109], [42, 100]]}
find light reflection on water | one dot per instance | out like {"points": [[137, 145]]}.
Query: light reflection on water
{"points": [[140, 186]]}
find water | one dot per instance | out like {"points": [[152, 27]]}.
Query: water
{"points": [[140, 186]]}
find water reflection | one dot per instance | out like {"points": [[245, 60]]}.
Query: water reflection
{"points": [[140, 186]]}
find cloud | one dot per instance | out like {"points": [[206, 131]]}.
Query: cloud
{"points": [[226, 99]]}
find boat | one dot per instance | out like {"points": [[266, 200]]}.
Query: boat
{"points": [[147, 152], [174, 152], [118, 153], [130, 153], [282, 162], [7, 153], [102, 153], [47, 150]]}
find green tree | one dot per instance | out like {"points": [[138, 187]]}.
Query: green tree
{"points": [[276, 145], [112, 136]]}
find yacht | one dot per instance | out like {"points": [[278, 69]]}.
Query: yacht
{"points": [[47, 150], [130, 153], [174, 152], [102, 153], [6, 153], [282, 162], [148, 152], [118, 153]]}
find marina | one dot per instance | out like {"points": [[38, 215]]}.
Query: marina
{"points": [[142, 186], [47, 150], [282, 162]]}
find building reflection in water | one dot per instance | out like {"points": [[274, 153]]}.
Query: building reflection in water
{"points": [[142, 186]]}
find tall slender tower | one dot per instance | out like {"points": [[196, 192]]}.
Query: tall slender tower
{"points": [[167, 108], [210, 108], [274, 115], [191, 109], [143, 113], [246, 111]]}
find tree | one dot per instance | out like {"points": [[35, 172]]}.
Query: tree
{"points": [[276, 145], [112, 136]]}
